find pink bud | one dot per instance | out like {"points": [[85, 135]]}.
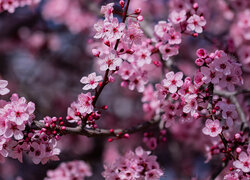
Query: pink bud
{"points": [[199, 62], [95, 52], [122, 3], [111, 78], [195, 6], [140, 18], [124, 84], [237, 136], [126, 136], [195, 34], [238, 150], [138, 11], [201, 53]]}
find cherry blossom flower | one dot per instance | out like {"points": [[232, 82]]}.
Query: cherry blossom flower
{"points": [[77, 170], [85, 103], [174, 37], [195, 23], [243, 163], [161, 29], [168, 51], [177, 17], [3, 89], [101, 29], [212, 128], [191, 104], [37, 152], [109, 61], [12, 129], [210, 75], [173, 81], [91, 81], [108, 10], [115, 30]]}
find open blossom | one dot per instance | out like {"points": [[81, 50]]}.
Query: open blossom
{"points": [[210, 75], [3, 89], [168, 51], [212, 128], [76, 170], [243, 163], [162, 28], [138, 165], [115, 29], [85, 103], [174, 37], [173, 81], [133, 34], [195, 23], [191, 104], [178, 17], [108, 10], [109, 61], [91, 81]]}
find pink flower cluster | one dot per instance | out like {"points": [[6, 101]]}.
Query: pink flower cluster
{"points": [[69, 13], [11, 5], [134, 165], [17, 137], [219, 69], [77, 170]]}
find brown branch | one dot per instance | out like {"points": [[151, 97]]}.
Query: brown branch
{"points": [[104, 132]]}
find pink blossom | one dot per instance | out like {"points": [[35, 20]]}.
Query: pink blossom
{"points": [[195, 23], [191, 104], [101, 29], [210, 75], [115, 30], [173, 81], [133, 34], [91, 81], [168, 51], [177, 17], [212, 128], [174, 37], [108, 10], [109, 61], [3, 89], [161, 29], [12, 129], [85, 103], [77, 170], [243, 163], [37, 152]]}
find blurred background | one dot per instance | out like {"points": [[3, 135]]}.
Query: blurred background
{"points": [[45, 49]]}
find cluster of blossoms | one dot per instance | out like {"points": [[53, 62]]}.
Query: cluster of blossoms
{"points": [[168, 34], [68, 12], [219, 69], [131, 48], [11, 5], [16, 135], [133, 166], [76, 170]]}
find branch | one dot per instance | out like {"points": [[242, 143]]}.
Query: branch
{"points": [[104, 132]]}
